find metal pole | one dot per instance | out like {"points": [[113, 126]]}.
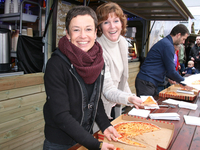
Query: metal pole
{"points": [[45, 39], [84, 2]]}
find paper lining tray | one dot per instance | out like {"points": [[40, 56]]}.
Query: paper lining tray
{"points": [[182, 96], [153, 140]]}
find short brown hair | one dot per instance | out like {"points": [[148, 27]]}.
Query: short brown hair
{"points": [[80, 10], [180, 28], [102, 14]]}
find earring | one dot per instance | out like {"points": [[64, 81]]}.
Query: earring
{"points": [[69, 40]]}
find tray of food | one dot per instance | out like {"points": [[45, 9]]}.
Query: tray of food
{"points": [[177, 92], [138, 133]]}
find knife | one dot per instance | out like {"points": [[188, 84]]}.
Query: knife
{"points": [[172, 106]]}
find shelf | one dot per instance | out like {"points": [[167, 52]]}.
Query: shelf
{"points": [[13, 53], [16, 17], [11, 74]]}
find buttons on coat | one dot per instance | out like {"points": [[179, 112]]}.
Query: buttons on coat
{"points": [[90, 106]]}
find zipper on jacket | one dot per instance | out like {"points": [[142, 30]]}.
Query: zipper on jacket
{"points": [[81, 92], [102, 72], [98, 98]]}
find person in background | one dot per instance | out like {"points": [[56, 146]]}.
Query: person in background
{"points": [[187, 51], [190, 69], [181, 57], [195, 54], [176, 58], [73, 81], [111, 27], [159, 63]]}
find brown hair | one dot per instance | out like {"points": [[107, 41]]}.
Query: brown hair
{"points": [[180, 28], [80, 10], [102, 14]]}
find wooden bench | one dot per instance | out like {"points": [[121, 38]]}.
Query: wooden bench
{"points": [[21, 112]]}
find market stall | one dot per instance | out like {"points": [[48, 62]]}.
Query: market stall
{"points": [[22, 96]]}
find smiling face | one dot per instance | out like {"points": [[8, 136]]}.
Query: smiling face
{"points": [[82, 32], [112, 27]]}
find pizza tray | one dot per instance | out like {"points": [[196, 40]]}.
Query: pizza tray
{"points": [[179, 95], [153, 140]]}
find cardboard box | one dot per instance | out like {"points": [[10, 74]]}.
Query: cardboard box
{"points": [[157, 140], [182, 96]]}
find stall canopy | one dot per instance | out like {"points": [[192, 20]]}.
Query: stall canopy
{"points": [[151, 9]]}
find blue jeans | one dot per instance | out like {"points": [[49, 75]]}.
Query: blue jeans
{"points": [[182, 68], [53, 146]]}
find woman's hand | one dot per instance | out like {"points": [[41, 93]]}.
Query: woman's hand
{"points": [[111, 133], [137, 101], [107, 146]]}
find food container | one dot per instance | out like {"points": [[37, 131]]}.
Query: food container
{"points": [[182, 96], [153, 140]]}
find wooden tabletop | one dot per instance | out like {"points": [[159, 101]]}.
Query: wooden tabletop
{"points": [[186, 137]]}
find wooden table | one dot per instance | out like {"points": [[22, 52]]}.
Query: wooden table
{"points": [[186, 137]]}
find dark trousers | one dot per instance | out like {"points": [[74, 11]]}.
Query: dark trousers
{"points": [[53, 146], [112, 114], [145, 88]]}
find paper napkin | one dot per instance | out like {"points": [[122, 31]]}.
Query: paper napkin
{"points": [[181, 104], [165, 116], [188, 105], [152, 107], [192, 120], [139, 112], [171, 101]]}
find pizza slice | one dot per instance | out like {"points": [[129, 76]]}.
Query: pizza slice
{"points": [[149, 101], [184, 89], [171, 93], [118, 148], [196, 82], [130, 130], [127, 140]]}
